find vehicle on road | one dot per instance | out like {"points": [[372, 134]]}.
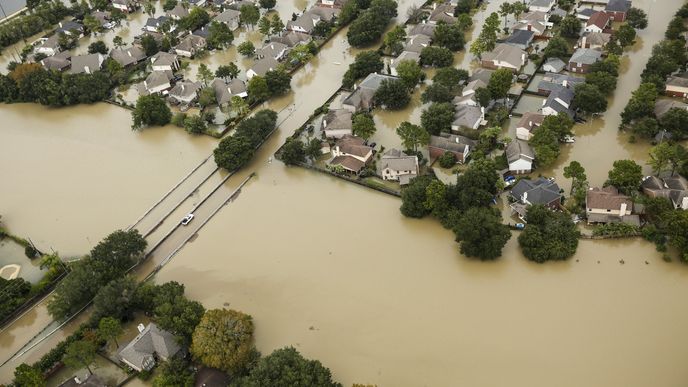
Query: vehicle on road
{"points": [[187, 219]]}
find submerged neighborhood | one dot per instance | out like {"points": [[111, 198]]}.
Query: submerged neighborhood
{"points": [[477, 115]]}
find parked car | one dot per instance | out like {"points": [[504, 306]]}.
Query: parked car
{"points": [[520, 226], [187, 219], [569, 139]]}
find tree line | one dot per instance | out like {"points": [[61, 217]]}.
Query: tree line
{"points": [[236, 150], [45, 15]]}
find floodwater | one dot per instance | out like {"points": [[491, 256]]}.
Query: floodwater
{"points": [[334, 270], [11, 6]]}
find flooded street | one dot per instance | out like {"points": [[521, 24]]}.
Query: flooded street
{"points": [[335, 270]]}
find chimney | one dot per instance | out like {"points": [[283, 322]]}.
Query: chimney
{"points": [[525, 197], [622, 212], [141, 327]]}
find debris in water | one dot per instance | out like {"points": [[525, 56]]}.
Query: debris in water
{"points": [[577, 260], [311, 328], [621, 261], [598, 261], [226, 304], [647, 263]]}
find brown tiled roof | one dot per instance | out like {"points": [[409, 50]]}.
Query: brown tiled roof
{"points": [[607, 198], [348, 162], [353, 145], [599, 18]]}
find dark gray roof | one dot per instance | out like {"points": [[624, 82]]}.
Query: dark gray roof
{"points": [[156, 21], [556, 63], [127, 56], [363, 95], [426, 29], [618, 5], [517, 150], [88, 63], [520, 37], [202, 32], [540, 191], [451, 143], [586, 12], [560, 93], [152, 340], [264, 65], [69, 26], [585, 56]]}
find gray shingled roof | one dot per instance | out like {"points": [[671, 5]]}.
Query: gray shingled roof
{"points": [[540, 191], [264, 65], [585, 56], [517, 150], [466, 115], [127, 56], [618, 5], [520, 37], [152, 340], [451, 142], [81, 63]]}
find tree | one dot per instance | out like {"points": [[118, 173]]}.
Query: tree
{"points": [[115, 299], [392, 94], [277, 24], [626, 35], [612, 47], [371, 24], [223, 339], [604, 81], [450, 77], [278, 81], [589, 99], [548, 236], [557, 48], [238, 105], [579, 184], [447, 160], [575, 171], [483, 96], [394, 39], [257, 89], [117, 41], [487, 39], [636, 18], [150, 45], [363, 126], [437, 92], [626, 176], [205, 74], [67, 41], [293, 152], [150, 110], [219, 35], [410, 73], [675, 121], [641, 104], [570, 27], [174, 372], [227, 71], [79, 354], [264, 25], [268, 4], [500, 83], [413, 197], [92, 24], [449, 36], [412, 135], [25, 375], [169, 5], [647, 127], [249, 14], [246, 48], [436, 56], [98, 47], [109, 328], [660, 157], [481, 233], [437, 118], [506, 9], [197, 18], [312, 148], [286, 367], [195, 124], [366, 62]]}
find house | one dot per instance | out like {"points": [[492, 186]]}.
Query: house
{"points": [[662, 106], [58, 62], [426, 29], [472, 86], [276, 51], [156, 82], [88, 380], [465, 100], [104, 18], [397, 166], [178, 12], [466, 116], [416, 43], [71, 27], [164, 61], [541, 5], [150, 344], [558, 12], [582, 59], [292, 38], [197, 3], [128, 56], [594, 40], [540, 191], [617, 9], [337, 123], [528, 122], [442, 13], [203, 31], [185, 92], [261, 67], [607, 205], [584, 14], [361, 99], [351, 153], [520, 39], [153, 24], [49, 46], [125, 6], [558, 101], [598, 22], [237, 4], [504, 56], [553, 81], [224, 91], [520, 157], [674, 188], [332, 3], [307, 21], [459, 146], [87, 64], [535, 21], [230, 17], [190, 45], [677, 85], [405, 55], [553, 65]]}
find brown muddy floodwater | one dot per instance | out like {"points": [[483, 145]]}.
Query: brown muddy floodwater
{"points": [[334, 270]]}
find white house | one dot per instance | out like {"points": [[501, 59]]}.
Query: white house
{"points": [[541, 5], [558, 101], [230, 17], [528, 122], [397, 166], [603, 205], [520, 157], [337, 123], [156, 82], [164, 61], [49, 46]]}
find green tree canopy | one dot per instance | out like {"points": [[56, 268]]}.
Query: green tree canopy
{"points": [[366, 62], [437, 92], [557, 47], [481, 233], [450, 77], [436, 56], [500, 83], [81, 353], [449, 36], [410, 73], [589, 99], [175, 372], [25, 375], [109, 328], [626, 176], [548, 235], [412, 135], [150, 110], [641, 104], [363, 126], [636, 18], [413, 197], [249, 14], [392, 94], [437, 118], [293, 152], [287, 368], [570, 26]]}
